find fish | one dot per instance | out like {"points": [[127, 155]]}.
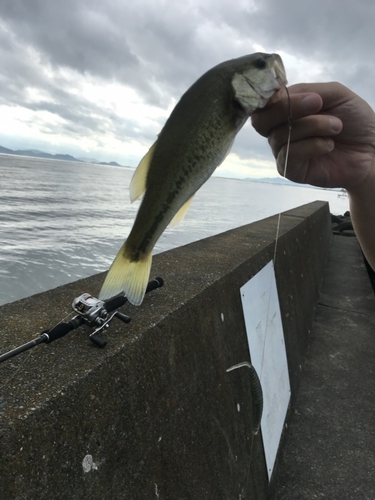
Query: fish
{"points": [[195, 140]]}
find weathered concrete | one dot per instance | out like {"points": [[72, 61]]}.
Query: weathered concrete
{"points": [[155, 414], [330, 450]]}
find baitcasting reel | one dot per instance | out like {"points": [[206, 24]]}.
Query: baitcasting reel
{"points": [[92, 312], [95, 312]]}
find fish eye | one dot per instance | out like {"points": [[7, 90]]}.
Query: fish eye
{"points": [[260, 63]]}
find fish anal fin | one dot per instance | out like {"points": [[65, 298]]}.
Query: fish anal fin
{"points": [[130, 277], [180, 214], [138, 182]]}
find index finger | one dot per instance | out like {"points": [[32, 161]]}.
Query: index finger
{"points": [[277, 113]]}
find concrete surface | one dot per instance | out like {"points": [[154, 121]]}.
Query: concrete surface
{"points": [[155, 415], [330, 449]]}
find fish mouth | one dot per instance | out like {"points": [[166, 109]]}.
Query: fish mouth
{"points": [[268, 93], [279, 76], [279, 71]]}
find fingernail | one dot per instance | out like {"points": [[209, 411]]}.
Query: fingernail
{"points": [[335, 124], [328, 145]]}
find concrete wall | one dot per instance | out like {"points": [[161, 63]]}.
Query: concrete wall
{"points": [[155, 415]]}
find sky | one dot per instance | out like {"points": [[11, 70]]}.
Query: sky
{"points": [[98, 78]]}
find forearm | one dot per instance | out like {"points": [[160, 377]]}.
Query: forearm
{"points": [[362, 211]]}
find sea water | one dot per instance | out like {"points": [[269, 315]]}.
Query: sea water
{"points": [[61, 221]]}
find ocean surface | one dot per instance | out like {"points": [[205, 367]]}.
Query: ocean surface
{"points": [[61, 221]]}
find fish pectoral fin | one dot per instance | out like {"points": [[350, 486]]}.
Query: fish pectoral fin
{"points": [[130, 277], [138, 182], [180, 214]]}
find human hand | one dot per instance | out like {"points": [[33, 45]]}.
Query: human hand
{"points": [[332, 138]]}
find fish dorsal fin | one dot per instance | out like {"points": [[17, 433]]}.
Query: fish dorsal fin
{"points": [[138, 182], [180, 214]]}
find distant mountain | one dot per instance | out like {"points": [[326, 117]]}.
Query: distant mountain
{"points": [[111, 163], [87, 160], [93, 160], [35, 153]]}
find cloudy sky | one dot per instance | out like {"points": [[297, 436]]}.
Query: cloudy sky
{"points": [[98, 78]]}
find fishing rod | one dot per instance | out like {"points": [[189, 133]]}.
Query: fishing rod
{"points": [[92, 312]]}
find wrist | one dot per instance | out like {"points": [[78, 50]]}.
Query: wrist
{"points": [[362, 212], [364, 188]]}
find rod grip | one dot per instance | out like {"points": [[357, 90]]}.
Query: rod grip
{"points": [[153, 284], [115, 303], [63, 329], [58, 331]]}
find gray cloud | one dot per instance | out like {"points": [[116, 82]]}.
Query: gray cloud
{"points": [[79, 35], [160, 49]]}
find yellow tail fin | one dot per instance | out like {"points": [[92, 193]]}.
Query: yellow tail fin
{"points": [[130, 277]]}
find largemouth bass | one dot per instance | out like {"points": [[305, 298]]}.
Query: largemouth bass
{"points": [[194, 141]]}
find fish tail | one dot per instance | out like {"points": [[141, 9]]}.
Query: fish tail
{"points": [[127, 275]]}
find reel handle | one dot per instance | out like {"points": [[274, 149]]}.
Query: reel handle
{"points": [[122, 317]]}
